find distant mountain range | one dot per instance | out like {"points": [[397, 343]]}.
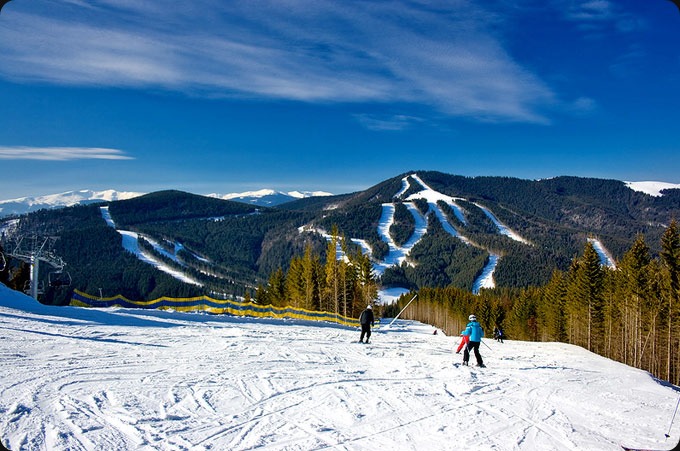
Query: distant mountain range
{"points": [[269, 197], [23, 205]]}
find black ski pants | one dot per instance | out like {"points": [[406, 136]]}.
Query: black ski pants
{"points": [[475, 346], [365, 330]]}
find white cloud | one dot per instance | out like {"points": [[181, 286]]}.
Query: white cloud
{"points": [[593, 16], [61, 153], [387, 122], [443, 54]]}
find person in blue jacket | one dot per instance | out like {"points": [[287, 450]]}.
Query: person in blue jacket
{"points": [[475, 333]]}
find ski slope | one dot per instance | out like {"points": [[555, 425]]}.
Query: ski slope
{"points": [[79, 379], [399, 254], [130, 242]]}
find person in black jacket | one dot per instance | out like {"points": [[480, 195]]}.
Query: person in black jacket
{"points": [[366, 319]]}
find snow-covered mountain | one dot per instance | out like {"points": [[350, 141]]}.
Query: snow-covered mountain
{"points": [[263, 197], [29, 204], [652, 188], [22, 205], [91, 379], [269, 197]]}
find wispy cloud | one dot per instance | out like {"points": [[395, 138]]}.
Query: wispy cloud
{"points": [[445, 55], [387, 122], [61, 153], [596, 15]]}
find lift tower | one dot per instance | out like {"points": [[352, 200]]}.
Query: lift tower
{"points": [[40, 249]]}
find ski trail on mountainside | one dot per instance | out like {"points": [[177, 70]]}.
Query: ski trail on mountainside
{"points": [[131, 244], [397, 255]]}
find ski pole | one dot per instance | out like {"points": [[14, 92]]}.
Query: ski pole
{"points": [[485, 344], [673, 419], [402, 311]]}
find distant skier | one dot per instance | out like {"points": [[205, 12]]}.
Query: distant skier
{"points": [[366, 319], [475, 333], [498, 334]]}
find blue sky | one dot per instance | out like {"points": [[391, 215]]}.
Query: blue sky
{"points": [[212, 96]]}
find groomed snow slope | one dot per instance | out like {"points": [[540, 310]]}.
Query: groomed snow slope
{"points": [[77, 379]]}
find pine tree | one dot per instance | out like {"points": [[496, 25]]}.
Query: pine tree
{"points": [[295, 283], [332, 293], [552, 309], [345, 281], [586, 299], [262, 295], [574, 306], [277, 288], [312, 280], [670, 255], [365, 287], [524, 314], [632, 290]]}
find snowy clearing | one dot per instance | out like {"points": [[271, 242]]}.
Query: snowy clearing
{"points": [[652, 188], [90, 379]]}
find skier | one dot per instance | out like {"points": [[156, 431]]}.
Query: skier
{"points": [[498, 334], [366, 319], [475, 333], [464, 340]]}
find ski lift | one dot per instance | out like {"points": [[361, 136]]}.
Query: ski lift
{"points": [[59, 278], [40, 291]]}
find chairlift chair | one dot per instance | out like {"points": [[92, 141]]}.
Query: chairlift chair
{"points": [[59, 278]]}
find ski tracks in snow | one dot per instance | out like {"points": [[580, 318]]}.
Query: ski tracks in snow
{"points": [[141, 380]]}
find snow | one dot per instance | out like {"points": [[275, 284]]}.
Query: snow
{"points": [[485, 280], [66, 199], [70, 198], [502, 228], [270, 192], [405, 185], [432, 196], [605, 257], [94, 379], [397, 254], [390, 295], [130, 242], [305, 194], [652, 188]]}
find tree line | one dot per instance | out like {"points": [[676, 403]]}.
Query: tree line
{"points": [[630, 314], [338, 285]]}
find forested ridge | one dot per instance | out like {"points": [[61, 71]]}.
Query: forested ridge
{"points": [[231, 248], [630, 314]]}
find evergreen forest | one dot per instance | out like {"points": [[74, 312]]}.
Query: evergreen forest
{"points": [[630, 314]]}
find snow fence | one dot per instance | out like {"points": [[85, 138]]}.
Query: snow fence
{"points": [[211, 305]]}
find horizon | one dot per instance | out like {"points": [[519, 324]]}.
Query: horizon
{"points": [[652, 188], [318, 96]]}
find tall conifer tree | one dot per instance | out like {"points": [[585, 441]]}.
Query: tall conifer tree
{"points": [[670, 254]]}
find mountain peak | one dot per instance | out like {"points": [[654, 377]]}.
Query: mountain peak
{"points": [[24, 205], [269, 197]]}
